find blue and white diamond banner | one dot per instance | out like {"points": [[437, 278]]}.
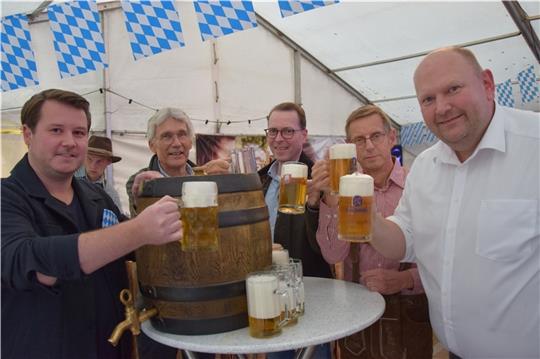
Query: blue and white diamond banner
{"points": [[293, 7], [505, 96], [77, 36], [528, 85], [218, 18], [153, 27], [416, 134], [18, 63]]}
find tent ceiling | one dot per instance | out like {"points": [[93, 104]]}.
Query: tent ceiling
{"points": [[375, 46], [359, 34]]}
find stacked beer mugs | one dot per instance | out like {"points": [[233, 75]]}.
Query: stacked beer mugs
{"points": [[293, 187], [355, 207], [199, 214], [342, 162]]}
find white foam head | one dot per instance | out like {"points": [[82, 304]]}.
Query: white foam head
{"points": [[295, 169], [343, 150], [199, 194], [263, 302], [356, 184]]}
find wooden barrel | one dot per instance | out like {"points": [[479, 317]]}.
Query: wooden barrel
{"points": [[204, 292]]}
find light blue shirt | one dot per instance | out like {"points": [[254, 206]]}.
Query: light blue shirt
{"points": [[272, 195]]}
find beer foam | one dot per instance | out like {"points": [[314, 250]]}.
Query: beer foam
{"points": [[263, 303], [356, 184], [296, 170], [199, 194], [343, 150]]}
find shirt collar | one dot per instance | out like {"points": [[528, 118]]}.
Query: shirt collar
{"points": [[273, 171], [494, 138], [189, 170], [398, 174]]}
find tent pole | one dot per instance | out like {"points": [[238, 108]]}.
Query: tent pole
{"points": [[297, 77]]}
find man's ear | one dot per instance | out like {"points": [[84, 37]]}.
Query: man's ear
{"points": [[152, 146], [392, 136], [489, 84], [27, 135]]}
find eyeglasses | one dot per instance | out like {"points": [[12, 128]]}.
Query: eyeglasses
{"points": [[376, 139], [168, 137], [286, 132]]}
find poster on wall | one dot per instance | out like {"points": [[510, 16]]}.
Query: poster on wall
{"points": [[211, 147]]}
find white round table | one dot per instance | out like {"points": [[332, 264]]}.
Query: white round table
{"points": [[334, 309]]}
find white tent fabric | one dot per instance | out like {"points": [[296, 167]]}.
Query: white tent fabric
{"points": [[240, 77]]}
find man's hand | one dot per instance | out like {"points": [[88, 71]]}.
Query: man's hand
{"points": [[160, 223], [386, 281], [320, 182], [216, 167], [142, 177]]}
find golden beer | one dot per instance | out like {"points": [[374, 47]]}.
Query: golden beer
{"points": [[293, 188], [200, 228], [261, 328], [199, 214], [263, 304], [355, 208], [342, 162]]}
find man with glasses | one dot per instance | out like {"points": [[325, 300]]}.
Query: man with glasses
{"points": [[286, 135], [369, 128], [170, 138]]}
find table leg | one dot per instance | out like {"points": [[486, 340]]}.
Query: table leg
{"points": [[304, 353], [189, 354]]}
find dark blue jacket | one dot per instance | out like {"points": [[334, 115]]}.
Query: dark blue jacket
{"points": [[75, 316]]}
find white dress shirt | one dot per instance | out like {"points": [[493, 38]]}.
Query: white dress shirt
{"points": [[473, 229]]}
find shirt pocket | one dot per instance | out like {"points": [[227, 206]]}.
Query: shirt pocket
{"points": [[506, 229]]}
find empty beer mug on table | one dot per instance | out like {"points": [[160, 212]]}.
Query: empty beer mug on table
{"points": [[264, 304], [293, 188], [199, 213], [298, 280], [355, 213], [342, 162]]}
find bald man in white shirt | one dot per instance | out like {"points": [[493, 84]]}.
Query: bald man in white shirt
{"points": [[469, 214]]}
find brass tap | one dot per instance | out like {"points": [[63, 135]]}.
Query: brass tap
{"points": [[134, 318]]}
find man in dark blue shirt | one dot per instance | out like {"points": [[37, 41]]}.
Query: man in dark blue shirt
{"points": [[62, 271]]}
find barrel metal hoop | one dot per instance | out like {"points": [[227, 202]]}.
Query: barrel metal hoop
{"points": [[242, 217], [195, 294], [201, 326]]}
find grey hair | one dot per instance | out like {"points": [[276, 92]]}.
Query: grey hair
{"points": [[164, 114]]}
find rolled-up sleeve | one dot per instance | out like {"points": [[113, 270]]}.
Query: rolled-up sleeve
{"points": [[333, 250]]}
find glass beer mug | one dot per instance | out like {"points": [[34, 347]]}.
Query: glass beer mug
{"points": [[355, 208], [199, 213], [293, 187], [342, 162], [264, 304]]}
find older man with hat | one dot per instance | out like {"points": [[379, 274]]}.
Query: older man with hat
{"points": [[98, 157]]}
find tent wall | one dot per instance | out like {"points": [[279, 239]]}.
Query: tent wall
{"points": [[234, 78]]}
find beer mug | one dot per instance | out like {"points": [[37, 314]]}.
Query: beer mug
{"points": [[286, 284], [298, 280], [355, 208], [342, 162], [280, 256], [199, 213], [264, 304], [293, 188]]}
